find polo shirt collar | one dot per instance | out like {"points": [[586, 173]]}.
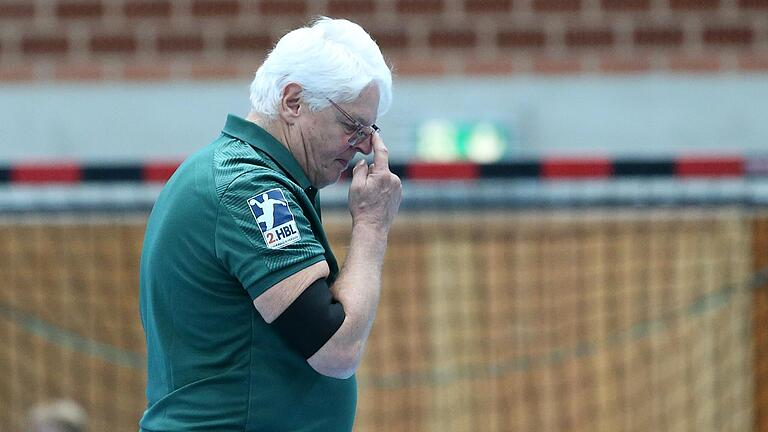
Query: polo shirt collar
{"points": [[257, 137]]}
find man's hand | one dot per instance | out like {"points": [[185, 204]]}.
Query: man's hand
{"points": [[375, 193]]}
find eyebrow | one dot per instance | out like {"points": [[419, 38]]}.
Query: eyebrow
{"points": [[353, 117], [360, 120]]}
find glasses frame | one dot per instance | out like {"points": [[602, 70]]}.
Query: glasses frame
{"points": [[357, 137]]}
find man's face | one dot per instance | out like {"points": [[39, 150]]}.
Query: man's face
{"points": [[326, 136]]}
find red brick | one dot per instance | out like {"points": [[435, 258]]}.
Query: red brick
{"points": [[693, 4], [556, 5], [626, 5], [728, 36], [123, 44], [521, 39], [390, 39], [208, 8], [625, 65], [350, 7], [44, 45], [180, 43], [753, 4], [489, 67], [695, 64], [17, 73], [248, 42], [589, 38], [79, 9], [754, 63], [83, 72], [247, 67], [17, 10], [419, 6], [283, 7], [147, 72], [452, 39], [548, 66], [205, 72], [658, 36], [487, 6], [418, 67], [147, 9]]}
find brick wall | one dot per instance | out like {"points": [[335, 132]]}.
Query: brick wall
{"points": [[215, 39]]}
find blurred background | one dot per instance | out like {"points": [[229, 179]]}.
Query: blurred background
{"points": [[582, 245]]}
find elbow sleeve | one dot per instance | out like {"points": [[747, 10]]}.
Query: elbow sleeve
{"points": [[311, 320]]}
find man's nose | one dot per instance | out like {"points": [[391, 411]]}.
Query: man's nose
{"points": [[365, 146]]}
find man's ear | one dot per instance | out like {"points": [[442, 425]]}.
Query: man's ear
{"points": [[290, 103]]}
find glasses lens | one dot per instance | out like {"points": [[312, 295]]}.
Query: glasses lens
{"points": [[360, 135]]}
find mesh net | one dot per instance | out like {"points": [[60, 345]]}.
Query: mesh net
{"points": [[562, 320]]}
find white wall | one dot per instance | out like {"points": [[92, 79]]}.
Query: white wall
{"points": [[653, 116]]}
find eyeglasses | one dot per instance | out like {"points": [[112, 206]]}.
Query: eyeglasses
{"points": [[362, 132]]}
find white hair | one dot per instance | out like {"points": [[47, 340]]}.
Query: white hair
{"points": [[331, 58]]}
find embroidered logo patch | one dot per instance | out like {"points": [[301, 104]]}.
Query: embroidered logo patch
{"points": [[274, 218]]}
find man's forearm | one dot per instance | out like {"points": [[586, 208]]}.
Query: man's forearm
{"points": [[359, 281], [358, 289]]}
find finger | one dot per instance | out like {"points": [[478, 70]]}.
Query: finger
{"points": [[359, 173], [380, 153], [361, 164]]}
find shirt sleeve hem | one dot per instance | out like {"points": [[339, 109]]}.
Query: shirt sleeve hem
{"points": [[257, 288]]}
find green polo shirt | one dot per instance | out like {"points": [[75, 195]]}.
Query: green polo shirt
{"points": [[236, 218]]}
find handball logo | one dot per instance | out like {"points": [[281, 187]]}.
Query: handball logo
{"points": [[274, 218]]}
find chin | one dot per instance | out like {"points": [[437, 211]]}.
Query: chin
{"points": [[331, 181], [332, 176], [321, 183]]}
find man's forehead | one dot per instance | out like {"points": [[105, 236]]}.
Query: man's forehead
{"points": [[361, 119], [360, 113], [364, 108]]}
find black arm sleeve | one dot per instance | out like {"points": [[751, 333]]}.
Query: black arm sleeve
{"points": [[311, 319]]}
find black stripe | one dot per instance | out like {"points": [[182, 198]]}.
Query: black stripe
{"points": [[400, 170], [5, 174], [639, 168], [522, 169], [112, 173]]}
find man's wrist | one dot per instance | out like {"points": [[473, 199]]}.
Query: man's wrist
{"points": [[370, 229], [373, 238]]}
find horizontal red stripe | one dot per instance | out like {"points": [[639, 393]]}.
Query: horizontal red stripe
{"points": [[46, 173], [159, 172], [576, 168], [709, 167], [553, 168], [443, 171]]}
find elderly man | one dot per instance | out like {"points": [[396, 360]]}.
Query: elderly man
{"points": [[250, 324]]}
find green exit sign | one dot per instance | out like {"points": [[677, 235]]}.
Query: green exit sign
{"points": [[446, 140]]}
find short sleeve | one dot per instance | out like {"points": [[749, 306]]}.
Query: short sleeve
{"points": [[262, 233]]}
